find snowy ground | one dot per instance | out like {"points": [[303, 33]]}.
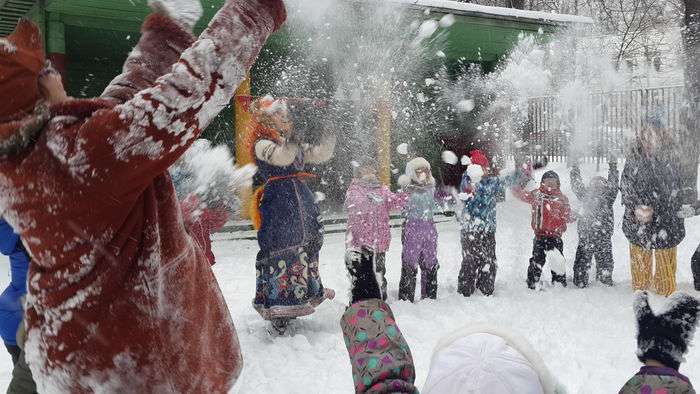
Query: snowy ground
{"points": [[587, 337]]}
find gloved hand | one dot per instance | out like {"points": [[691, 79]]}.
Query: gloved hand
{"points": [[687, 211], [186, 13], [643, 213]]}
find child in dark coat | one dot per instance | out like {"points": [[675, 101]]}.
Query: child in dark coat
{"points": [[550, 215], [662, 341], [595, 225]]}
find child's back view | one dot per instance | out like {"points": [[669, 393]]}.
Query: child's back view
{"points": [[595, 225]]}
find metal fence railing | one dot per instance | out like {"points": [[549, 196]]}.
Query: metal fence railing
{"points": [[598, 125]]}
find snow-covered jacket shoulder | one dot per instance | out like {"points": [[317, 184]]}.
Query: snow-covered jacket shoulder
{"points": [[549, 383], [369, 208], [116, 283]]}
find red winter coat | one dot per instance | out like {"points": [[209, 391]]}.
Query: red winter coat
{"points": [[550, 211], [120, 297]]}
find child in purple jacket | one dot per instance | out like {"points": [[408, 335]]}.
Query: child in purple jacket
{"points": [[368, 203], [662, 341]]}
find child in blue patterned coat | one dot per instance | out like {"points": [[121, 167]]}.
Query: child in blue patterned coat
{"points": [[480, 191]]}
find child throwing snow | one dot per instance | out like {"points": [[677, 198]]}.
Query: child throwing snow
{"points": [[480, 190], [369, 203], [662, 341], [419, 232], [550, 214], [595, 225]]}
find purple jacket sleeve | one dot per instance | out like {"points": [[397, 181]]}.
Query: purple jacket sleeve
{"points": [[380, 357]]}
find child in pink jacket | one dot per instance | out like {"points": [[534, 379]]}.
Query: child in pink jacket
{"points": [[368, 203]]}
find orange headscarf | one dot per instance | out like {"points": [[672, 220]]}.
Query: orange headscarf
{"points": [[262, 125]]}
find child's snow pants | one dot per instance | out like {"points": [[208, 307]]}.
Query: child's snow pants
{"points": [[541, 245], [419, 250], [589, 246], [478, 263], [643, 272], [379, 260]]}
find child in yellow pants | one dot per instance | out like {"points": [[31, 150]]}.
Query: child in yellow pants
{"points": [[664, 277]]}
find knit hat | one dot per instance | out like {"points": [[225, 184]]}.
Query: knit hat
{"points": [[486, 359], [21, 61], [479, 158], [551, 175], [664, 336]]}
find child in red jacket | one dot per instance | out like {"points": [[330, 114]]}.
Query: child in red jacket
{"points": [[550, 214]]}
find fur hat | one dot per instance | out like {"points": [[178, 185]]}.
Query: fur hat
{"points": [[21, 61], [487, 359], [411, 168], [551, 175], [664, 336]]}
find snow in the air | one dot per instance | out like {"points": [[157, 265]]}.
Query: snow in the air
{"points": [[586, 336]]}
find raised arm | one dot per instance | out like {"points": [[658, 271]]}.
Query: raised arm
{"points": [[577, 183], [138, 140], [523, 195], [280, 154], [160, 46], [613, 186], [321, 153]]}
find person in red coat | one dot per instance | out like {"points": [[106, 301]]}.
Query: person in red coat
{"points": [[120, 297], [550, 215]]}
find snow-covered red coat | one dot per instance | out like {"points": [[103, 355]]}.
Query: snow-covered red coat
{"points": [[551, 211], [201, 221], [121, 299], [368, 206]]}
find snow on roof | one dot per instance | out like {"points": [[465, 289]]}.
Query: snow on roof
{"points": [[454, 7]]}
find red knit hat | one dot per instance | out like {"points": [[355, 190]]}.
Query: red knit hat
{"points": [[479, 158], [21, 61]]}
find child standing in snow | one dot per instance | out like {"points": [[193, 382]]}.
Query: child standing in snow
{"points": [[419, 233], [550, 214], [481, 191], [595, 225], [369, 203], [662, 341]]}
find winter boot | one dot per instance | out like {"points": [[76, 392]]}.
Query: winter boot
{"points": [[466, 281], [556, 278], [278, 326], [364, 284], [534, 271], [429, 285], [407, 284]]}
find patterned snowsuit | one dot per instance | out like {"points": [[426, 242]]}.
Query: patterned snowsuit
{"points": [[658, 380]]}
